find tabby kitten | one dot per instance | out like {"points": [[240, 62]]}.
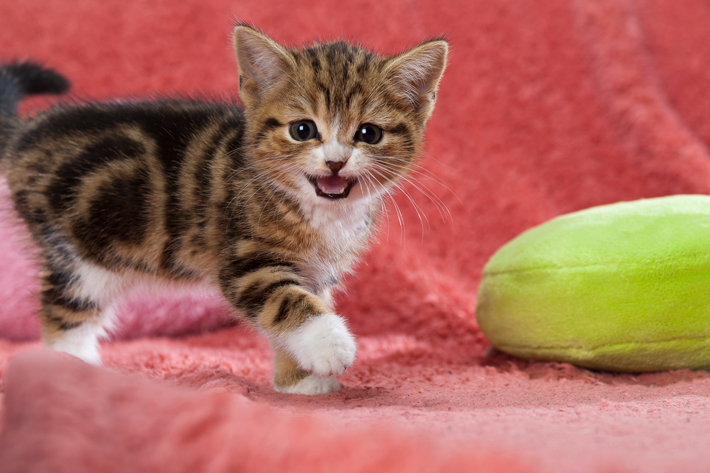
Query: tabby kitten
{"points": [[272, 202]]}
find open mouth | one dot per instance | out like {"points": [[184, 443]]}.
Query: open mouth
{"points": [[332, 187]]}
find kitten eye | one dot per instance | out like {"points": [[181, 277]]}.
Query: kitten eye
{"points": [[303, 130], [369, 134]]}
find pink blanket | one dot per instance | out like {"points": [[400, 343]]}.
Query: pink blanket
{"points": [[547, 107]]}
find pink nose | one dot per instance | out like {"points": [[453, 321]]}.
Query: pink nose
{"points": [[335, 166]]}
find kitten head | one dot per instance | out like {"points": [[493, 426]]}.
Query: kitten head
{"points": [[334, 122]]}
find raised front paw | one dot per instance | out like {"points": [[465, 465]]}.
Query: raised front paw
{"points": [[322, 345]]}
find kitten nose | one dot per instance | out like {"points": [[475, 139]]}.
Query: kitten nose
{"points": [[335, 166]]}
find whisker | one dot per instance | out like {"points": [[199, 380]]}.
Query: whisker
{"points": [[421, 187]]}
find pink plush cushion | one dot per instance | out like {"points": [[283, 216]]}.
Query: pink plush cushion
{"points": [[66, 416]]}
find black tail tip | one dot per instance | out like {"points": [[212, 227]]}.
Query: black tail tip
{"points": [[34, 78]]}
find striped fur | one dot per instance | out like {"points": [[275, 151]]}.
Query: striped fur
{"points": [[188, 190]]}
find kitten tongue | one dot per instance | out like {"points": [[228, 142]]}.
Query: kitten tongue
{"points": [[332, 184]]}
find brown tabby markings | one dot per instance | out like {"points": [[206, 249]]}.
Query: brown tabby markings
{"points": [[189, 190]]}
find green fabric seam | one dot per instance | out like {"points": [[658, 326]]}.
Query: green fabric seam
{"points": [[606, 345], [612, 263]]}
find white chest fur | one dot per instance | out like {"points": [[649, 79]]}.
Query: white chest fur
{"points": [[343, 230]]}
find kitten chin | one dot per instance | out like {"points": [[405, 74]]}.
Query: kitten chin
{"points": [[272, 201]]}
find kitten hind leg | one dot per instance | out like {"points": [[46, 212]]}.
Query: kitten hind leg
{"points": [[81, 340], [290, 378], [70, 320]]}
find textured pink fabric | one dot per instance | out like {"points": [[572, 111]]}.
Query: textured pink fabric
{"points": [[109, 422], [547, 107]]}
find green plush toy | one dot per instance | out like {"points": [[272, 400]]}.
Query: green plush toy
{"points": [[622, 287]]}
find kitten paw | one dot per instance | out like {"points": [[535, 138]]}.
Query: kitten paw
{"points": [[81, 342], [322, 345], [311, 385]]}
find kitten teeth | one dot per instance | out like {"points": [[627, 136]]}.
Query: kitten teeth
{"points": [[322, 344], [332, 184], [311, 385]]}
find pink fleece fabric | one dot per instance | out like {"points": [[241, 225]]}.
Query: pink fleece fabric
{"points": [[547, 107]]}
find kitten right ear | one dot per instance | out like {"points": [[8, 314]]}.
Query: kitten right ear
{"points": [[263, 63], [415, 74]]}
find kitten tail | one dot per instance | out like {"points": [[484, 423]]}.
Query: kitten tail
{"points": [[19, 80]]}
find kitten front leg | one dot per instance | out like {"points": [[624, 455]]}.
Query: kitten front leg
{"points": [[300, 324], [321, 344]]}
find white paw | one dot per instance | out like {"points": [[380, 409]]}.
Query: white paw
{"points": [[311, 385], [82, 342], [323, 345]]}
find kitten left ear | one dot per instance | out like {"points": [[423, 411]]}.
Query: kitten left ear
{"points": [[263, 63], [416, 73]]}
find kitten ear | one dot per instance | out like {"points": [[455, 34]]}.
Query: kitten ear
{"points": [[415, 74], [263, 63]]}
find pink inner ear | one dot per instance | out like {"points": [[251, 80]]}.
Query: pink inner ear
{"points": [[418, 71], [259, 58]]}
